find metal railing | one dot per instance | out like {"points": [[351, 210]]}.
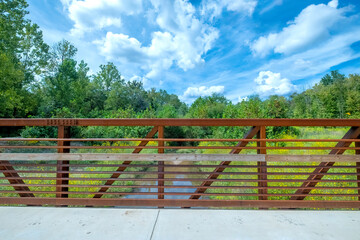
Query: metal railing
{"points": [[82, 171]]}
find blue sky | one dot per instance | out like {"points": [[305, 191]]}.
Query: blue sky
{"points": [[199, 47]]}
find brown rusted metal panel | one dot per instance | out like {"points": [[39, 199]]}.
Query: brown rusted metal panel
{"points": [[357, 152], [181, 187], [262, 165], [245, 173], [216, 173], [179, 147], [182, 203], [63, 132], [179, 122], [186, 179], [161, 167], [121, 193], [173, 140], [62, 122], [324, 167], [121, 169]]}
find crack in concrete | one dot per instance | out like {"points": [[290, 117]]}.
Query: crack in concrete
{"points": [[152, 233]]}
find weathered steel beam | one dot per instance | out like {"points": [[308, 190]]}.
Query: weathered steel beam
{"points": [[178, 122], [357, 152], [262, 165], [182, 203], [161, 167], [63, 132], [29, 157]]}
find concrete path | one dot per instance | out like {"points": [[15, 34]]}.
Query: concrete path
{"points": [[35, 223]]}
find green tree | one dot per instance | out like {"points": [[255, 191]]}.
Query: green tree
{"points": [[61, 51], [24, 56]]}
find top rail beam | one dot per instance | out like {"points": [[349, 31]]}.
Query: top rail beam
{"points": [[177, 122]]}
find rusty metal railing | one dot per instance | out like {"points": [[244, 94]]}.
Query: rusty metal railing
{"points": [[83, 172]]}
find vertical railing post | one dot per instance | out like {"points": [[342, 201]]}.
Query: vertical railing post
{"points": [[161, 164], [63, 132], [357, 152], [262, 165]]}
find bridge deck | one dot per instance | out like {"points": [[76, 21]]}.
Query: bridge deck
{"points": [[34, 223]]}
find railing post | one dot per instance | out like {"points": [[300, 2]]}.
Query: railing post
{"points": [[161, 164], [357, 152], [262, 165], [63, 132]]}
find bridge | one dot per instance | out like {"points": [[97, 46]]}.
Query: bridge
{"points": [[181, 180], [158, 171]]}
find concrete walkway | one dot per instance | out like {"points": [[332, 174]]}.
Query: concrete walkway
{"points": [[34, 223]]}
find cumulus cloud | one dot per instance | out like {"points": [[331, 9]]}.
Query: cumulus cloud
{"points": [[269, 83], [310, 27], [214, 8], [194, 92], [89, 15], [181, 41]]}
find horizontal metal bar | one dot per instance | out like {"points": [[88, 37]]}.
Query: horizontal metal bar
{"points": [[172, 140], [175, 147], [177, 122], [181, 203], [92, 165], [184, 194], [176, 173], [127, 157], [175, 157], [176, 186], [180, 179]]}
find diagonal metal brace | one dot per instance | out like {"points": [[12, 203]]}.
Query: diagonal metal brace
{"points": [[123, 168], [222, 166], [6, 166], [316, 176]]}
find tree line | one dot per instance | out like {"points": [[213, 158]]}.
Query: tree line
{"points": [[37, 80]]}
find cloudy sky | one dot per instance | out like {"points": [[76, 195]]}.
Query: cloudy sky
{"points": [[197, 47]]}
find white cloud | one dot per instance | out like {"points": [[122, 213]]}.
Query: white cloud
{"points": [[89, 15], [181, 41], [272, 5], [194, 92], [120, 47], [317, 60], [310, 27], [214, 8], [269, 83], [144, 80]]}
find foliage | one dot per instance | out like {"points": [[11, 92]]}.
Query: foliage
{"points": [[36, 81]]}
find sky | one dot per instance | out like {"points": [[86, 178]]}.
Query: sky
{"points": [[196, 48]]}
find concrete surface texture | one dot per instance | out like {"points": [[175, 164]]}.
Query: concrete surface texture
{"points": [[38, 223]]}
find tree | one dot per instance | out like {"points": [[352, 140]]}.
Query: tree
{"points": [[107, 77], [11, 91], [329, 79], [24, 55], [208, 107], [59, 89], [61, 51]]}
